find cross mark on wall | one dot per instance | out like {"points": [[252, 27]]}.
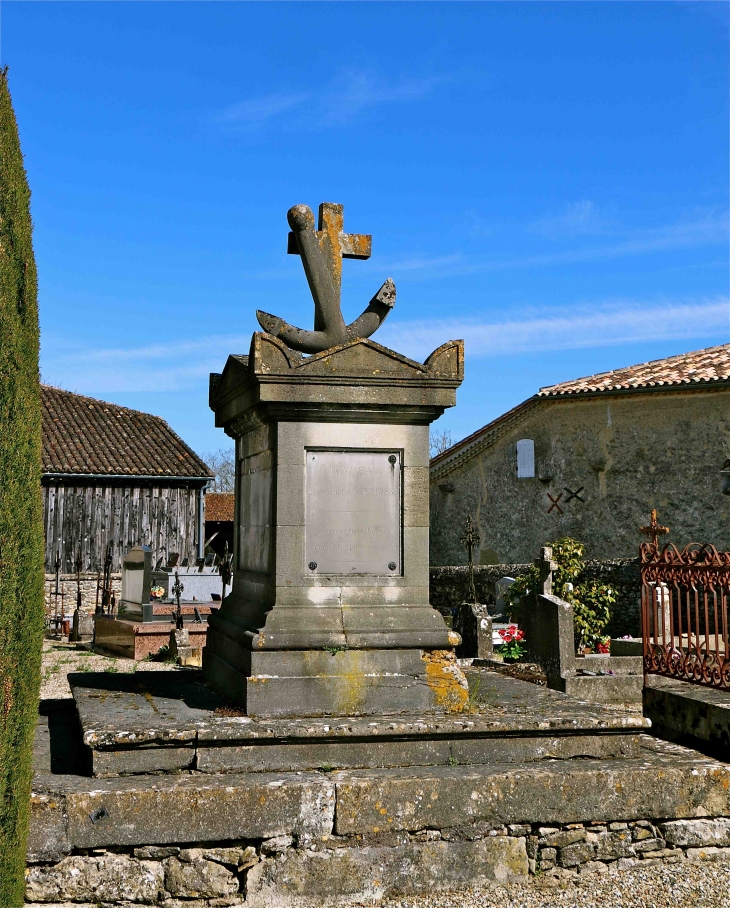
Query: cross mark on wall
{"points": [[572, 495], [555, 501]]}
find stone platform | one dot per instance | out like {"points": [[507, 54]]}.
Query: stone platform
{"points": [[691, 714], [157, 722], [312, 838]]}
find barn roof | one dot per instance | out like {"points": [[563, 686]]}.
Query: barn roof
{"points": [[698, 367], [82, 435], [219, 506], [697, 370]]}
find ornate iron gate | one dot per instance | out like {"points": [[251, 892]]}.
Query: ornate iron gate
{"points": [[684, 614]]}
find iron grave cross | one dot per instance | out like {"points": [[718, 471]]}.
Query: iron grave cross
{"points": [[322, 251], [654, 529]]}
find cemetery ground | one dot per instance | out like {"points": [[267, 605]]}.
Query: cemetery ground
{"points": [[61, 659]]}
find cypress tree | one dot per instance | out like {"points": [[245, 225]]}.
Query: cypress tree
{"points": [[21, 522]]}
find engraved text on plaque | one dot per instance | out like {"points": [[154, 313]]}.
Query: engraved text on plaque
{"points": [[353, 516]]}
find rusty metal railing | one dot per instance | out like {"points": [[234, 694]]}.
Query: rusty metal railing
{"points": [[684, 613]]}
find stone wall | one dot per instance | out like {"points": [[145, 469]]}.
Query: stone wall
{"points": [[449, 586], [67, 585], [628, 454], [282, 869]]}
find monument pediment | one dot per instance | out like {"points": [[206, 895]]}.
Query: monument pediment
{"points": [[362, 360], [360, 357]]}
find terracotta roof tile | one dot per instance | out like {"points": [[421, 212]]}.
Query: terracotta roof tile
{"points": [[219, 506], [85, 435], [700, 366]]}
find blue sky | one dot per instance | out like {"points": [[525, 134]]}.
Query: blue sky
{"points": [[548, 181]]}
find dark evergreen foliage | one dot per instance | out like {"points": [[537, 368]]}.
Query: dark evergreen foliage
{"points": [[21, 526]]}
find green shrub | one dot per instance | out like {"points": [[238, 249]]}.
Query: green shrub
{"points": [[591, 600], [21, 516]]}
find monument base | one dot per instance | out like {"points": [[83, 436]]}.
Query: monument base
{"points": [[335, 681]]}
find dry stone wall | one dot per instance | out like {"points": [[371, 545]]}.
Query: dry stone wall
{"points": [[449, 586], [67, 585], [284, 868]]}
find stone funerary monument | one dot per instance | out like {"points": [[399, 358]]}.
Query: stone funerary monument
{"points": [[329, 612]]}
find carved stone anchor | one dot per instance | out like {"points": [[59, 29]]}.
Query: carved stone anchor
{"points": [[322, 252]]}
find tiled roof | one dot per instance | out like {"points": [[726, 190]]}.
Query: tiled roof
{"points": [[219, 506], [85, 435], [698, 367]]}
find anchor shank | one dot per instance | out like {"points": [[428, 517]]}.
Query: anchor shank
{"points": [[327, 313]]}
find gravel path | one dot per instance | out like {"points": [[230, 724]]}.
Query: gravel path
{"points": [[61, 658], [688, 885]]}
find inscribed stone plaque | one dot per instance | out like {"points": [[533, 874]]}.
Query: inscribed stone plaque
{"points": [[353, 520]]}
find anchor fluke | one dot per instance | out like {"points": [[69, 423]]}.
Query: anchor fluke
{"points": [[376, 312]]}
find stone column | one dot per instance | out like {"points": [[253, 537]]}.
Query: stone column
{"points": [[329, 612]]}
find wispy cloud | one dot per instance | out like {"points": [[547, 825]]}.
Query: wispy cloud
{"points": [[583, 327], [576, 219], [712, 229], [336, 102], [257, 111], [185, 364], [175, 366]]}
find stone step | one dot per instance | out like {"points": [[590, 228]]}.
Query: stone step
{"points": [[72, 812]]}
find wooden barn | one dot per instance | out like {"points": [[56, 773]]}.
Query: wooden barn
{"points": [[116, 476]]}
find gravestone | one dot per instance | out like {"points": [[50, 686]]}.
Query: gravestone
{"points": [[474, 625], [136, 583], [329, 612], [82, 627], [500, 588], [181, 649], [201, 584]]}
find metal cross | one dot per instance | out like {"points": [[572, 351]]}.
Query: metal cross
{"points": [[572, 495], [224, 569], [555, 502], [57, 566], [78, 566], [177, 590], [470, 538], [653, 529], [322, 251], [546, 566]]}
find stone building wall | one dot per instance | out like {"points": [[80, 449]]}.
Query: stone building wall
{"points": [[449, 586], [629, 453]]}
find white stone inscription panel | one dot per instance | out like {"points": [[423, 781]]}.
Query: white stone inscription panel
{"points": [[353, 512]]}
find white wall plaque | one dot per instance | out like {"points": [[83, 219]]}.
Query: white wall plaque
{"points": [[353, 512]]}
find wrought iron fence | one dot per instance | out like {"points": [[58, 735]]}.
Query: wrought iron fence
{"points": [[684, 614]]}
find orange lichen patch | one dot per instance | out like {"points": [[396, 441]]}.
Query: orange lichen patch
{"points": [[446, 680]]}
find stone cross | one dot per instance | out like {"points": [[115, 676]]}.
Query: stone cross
{"points": [[546, 566], [653, 529], [322, 251], [469, 539]]}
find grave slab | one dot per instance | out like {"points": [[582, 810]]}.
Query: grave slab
{"points": [[128, 720]]}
